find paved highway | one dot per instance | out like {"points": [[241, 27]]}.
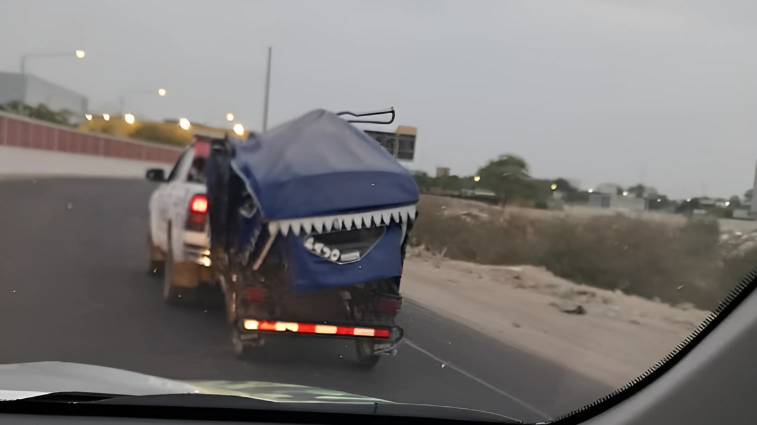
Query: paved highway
{"points": [[73, 287]]}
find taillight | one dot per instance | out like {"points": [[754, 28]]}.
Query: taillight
{"points": [[198, 204], [255, 295], [198, 209], [388, 305]]}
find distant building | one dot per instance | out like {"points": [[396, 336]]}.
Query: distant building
{"points": [[742, 214], [33, 91], [615, 201], [608, 188], [442, 171]]}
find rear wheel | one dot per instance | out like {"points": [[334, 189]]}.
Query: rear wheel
{"points": [[157, 259], [242, 348], [180, 280], [366, 354]]}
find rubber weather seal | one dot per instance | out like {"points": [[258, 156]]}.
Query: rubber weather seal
{"points": [[728, 304]]}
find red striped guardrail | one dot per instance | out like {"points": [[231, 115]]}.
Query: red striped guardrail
{"points": [[30, 133]]}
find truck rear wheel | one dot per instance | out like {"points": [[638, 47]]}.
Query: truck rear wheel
{"points": [[366, 355], [243, 349], [180, 280]]}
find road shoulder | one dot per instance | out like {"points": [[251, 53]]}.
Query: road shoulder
{"points": [[614, 338]]}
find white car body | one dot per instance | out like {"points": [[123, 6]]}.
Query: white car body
{"points": [[169, 208]]}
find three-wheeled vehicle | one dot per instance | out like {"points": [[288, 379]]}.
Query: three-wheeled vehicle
{"points": [[309, 224]]}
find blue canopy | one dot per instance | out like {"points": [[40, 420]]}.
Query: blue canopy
{"points": [[319, 164]]}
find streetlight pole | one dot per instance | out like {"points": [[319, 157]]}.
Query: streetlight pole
{"points": [[122, 99], [78, 53], [267, 91]]}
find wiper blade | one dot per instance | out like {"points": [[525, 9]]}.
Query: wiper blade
{"points": [[303, 412]]}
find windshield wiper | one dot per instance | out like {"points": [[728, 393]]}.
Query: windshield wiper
{"points": [[210, 406]]}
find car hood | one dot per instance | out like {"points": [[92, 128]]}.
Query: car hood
{"points": [[23, 380]]}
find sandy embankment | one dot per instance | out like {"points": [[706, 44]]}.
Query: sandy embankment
{"points": [[617, 338]]}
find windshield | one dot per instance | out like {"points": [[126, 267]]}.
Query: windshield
{"points": [[560, 195]]}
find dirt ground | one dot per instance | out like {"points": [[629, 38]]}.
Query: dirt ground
{"points": [[609, 336]]}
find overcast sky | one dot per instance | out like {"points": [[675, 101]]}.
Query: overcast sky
{"points": [[598, 91]]}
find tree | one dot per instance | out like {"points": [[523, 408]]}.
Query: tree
{"points": [[40, 112], [641, 191], [660, 202], [505, 166], [423, 180], [688, 206], [509, 178], [748, 196], [564, 185], [734, 201]]}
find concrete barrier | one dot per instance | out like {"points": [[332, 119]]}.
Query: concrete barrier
{"points": [[20, 162], [37, 148]]}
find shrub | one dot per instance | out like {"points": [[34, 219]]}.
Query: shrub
{"points": [[648, 258]]}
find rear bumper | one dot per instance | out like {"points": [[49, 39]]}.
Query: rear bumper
{"points": [[196, 248], [197, 254]]}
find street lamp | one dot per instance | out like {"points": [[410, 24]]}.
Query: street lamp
{"points": [[229, 117], [184, 123], [476, 178], [129, 118], [106, 117], [122, 99], [239, 129], [88, 117], [78, 53]]}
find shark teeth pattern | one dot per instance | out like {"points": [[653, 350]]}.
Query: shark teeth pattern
{"points": [[329, 223]]}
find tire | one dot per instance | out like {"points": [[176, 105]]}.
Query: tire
{"points": [[230, 303], [180, 280], [241, 351], [244, 349], [157, 261], [365, 353]]}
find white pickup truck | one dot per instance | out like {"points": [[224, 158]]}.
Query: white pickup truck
{"points": [[178, 240]]}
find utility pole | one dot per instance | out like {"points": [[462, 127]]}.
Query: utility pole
{"points": [[267, 91]]}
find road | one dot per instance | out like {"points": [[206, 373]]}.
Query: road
{"points": [[74, 287]]}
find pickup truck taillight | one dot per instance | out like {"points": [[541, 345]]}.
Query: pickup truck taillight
{"points": [[198, 210], [388, 305], [198, 204]]}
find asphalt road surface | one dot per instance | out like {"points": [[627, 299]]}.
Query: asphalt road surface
{"points": [[74, 287]]}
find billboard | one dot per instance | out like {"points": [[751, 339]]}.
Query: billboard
{"points": [[401, 143]]}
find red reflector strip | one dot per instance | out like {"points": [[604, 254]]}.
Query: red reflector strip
{"points": [[309, 328]]}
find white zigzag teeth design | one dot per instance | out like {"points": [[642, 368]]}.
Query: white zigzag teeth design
{"points": [[325, 224]]}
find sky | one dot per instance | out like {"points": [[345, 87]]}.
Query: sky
{"points": [[659, 92]]}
